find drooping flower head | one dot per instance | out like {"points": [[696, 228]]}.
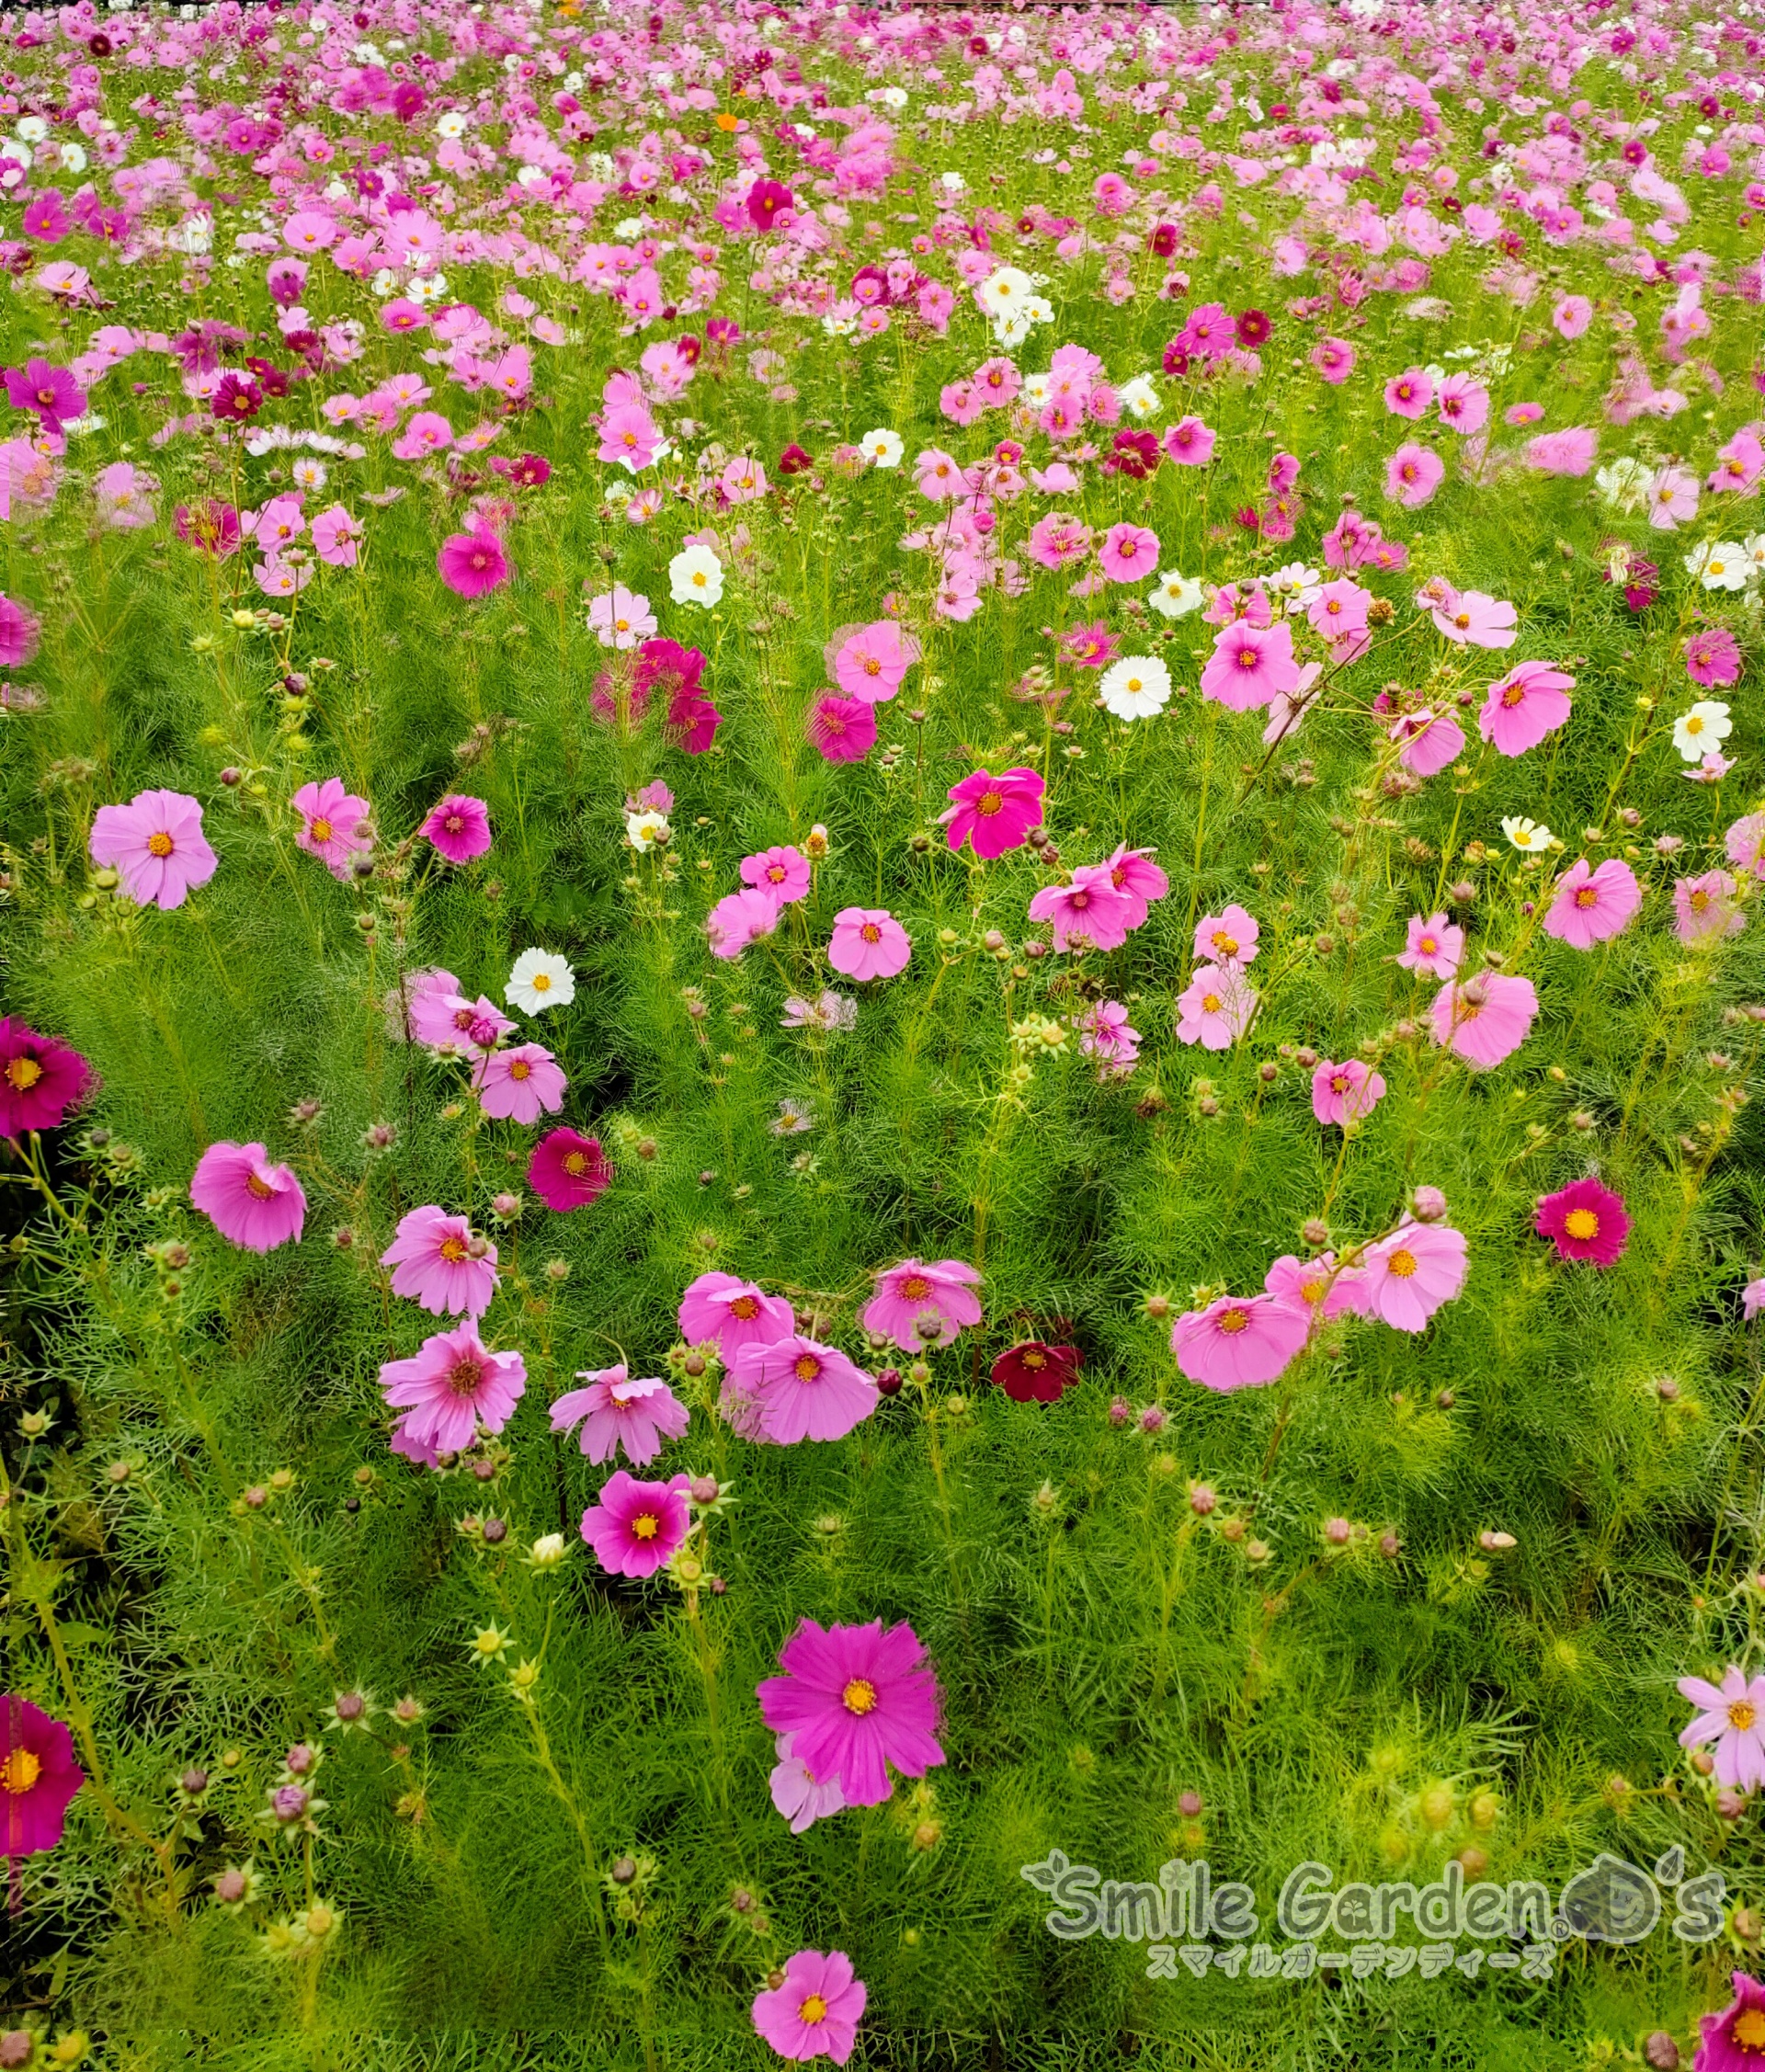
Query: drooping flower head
{"points": [[40, 1079], [620, 1412], [741, 918], [1138, 879], [802, 1389], [815, 2012], [440, 1263], [1238, 1341], [157, 842], [638, 1527], [37, 1777], [450, 1385], [910, 1293], [567, 1170], [995, 814], [858, 1699], [1585, 1220], [249, 1201], [798, 1793], [1087, 914]]}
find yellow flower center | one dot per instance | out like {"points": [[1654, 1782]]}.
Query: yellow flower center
{"points": [[745, 1307], [259, 1187], [1427, 946], [159, 844], [574, 1164], [1581, 1224], [453, 1250], [990, 804], [916, 1289], [1587, 896], [540, 982], [520, 1069], [1693, 724], [1235, 1321], [870, 932], [805, 1367], [23, 1073], [1742, 1714], [321, 830], [1698, 902], [1749, 2031], [1402, 1263], [814, 2008], [645, 1526], [19, 1773], [859, 1697], [1512, 695], [1210, 1004]]}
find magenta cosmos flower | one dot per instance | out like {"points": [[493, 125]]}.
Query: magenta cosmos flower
{"points": [[18, 633], [872, 662], [1250, 666], [157, 842], [1087, 914], [471, 563], [40, 1079], [857, 1699], [1317, 1289], [739, 918], [459, 829], [843, 729], [638, 1527], [868, 942], [248, 1201], [37, 1777], [1413, 473], [1432, 947], [782, 874], [440, 1265], [802, 1389], [718, 1309], [332, 825], [1238, 1341], [1712, 657], [995, 814], [1215, 1007], [519, 1085], [1526, 704], [1408, 1275], [1345, 1093], [450, 1386], [815, 2012], [1138, 879], [620, 1412], [1734, 2041], [1585, 1220], [1733, 1716], [567, 1170], [1487, 1018], [909, 1293], [1430, 741], [1592, 906]]}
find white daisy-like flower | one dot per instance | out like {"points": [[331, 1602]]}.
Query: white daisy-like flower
{"points": [[540, 980], [1175, 594], [306, 474], [696, 576], [1753, 548], [1138, 397], [1004, 291], [1698, 731], [1528, 835], [883, 448], [646, 831], [453, 124], [1624, 484], [1720, 564], [1135, 687]]}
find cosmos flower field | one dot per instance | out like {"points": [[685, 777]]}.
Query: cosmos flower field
{"points": [[880, 897]]}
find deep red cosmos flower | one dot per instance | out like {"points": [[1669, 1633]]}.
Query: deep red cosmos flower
{"points": [[1034, 1372]]}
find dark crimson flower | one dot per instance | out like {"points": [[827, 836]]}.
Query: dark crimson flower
{"points": [[236, 401], [532, 471], [99, 45], [1585, 1220], [793, 460], [270, 378], [40, 1079], [1635, 153], [1035, 1372], [722, 330], [767, 200], [689, 345], [1134, 454], [1253, 329], [1249, 518], [692, 721], [1176, 360], [1163, 240], [212, 527]]}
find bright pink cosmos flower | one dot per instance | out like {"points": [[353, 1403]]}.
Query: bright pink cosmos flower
{"points": [[739, 918], [1345, 1093], [440, 1264], [718, 1309], [37, 1777], [995, 814], [638, 1527], [40, 1079], [1238, 1341], [1249, 666], [843, 729], [1732, 1714], [1487, 1018], [868, 942], [248, 1201], [802, 1389], [909, 1293], [1317, 1289], [815, 2012], [19, 629], [1462, 403], [1129, 553], [51, 392], [1712, 657], [1138, 879], [459, 829], [1057, 541], [798, 1793], [619, 1412], [1215, 1007], [1334, 359], [1703, 908], [448, 1024], [1089, 913], [872, 662], [1190, 443], [1338, 609], [472, 563], [332, 825], [1409, 395], [1732, 2041], [157, 842], [1412, 476], [520, 1085], [1585, 1220], [450, 1386], [857, 1699], [1107, 1036], [1227, 939], [1570, 452], [1473, 618], [1410, 1274], [782, 874], [1432, 948], [567, 1170], [1431, 741], [1593, 905], [1525, 705]]}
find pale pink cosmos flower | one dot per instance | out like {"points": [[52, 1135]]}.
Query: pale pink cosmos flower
{"points": [[1672, 497], [1432, 948], [1238, 1341], [1570, 452], [443, 1020], [1334, 359], [520, 1084], [739, 918], [721, 1309], [1106, 1035], [1215, 1007], [1705, 907], [1087, 913], [1317, 1289], [1412, 476], [1249, 666], [1470, 618], [1408, 1275], [1572, 315], [872, 662], [620, 1412], [332, 821], [1338, 609], [157, 845], [1485, 1019], [1744, 844], [868, 942], [1430, 741], [798, 1793], [1227, 939], [1592, 906], [1057, 541], [1138, 879], [803, 1389], [1530, 701], [450, 1386], [1345, 1093], [1129, 553], [1732, 1714], [248, 1200], [336, 537], [440, 1263], [620, 618], [912, 1292]]}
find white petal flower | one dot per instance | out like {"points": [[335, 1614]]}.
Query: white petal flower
{"points": [[696, 576], [1135, 687], [1175, 594], [883, 448], [1698, 731], [540, 980], [1527, 834]]}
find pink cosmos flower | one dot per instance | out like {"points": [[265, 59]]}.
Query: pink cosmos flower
{"points": [[856, 1699], [1345, 1093], [872, 662], [1249, 666], [995, 814], [1334, 359], [1057, 541], [567, 1170], [1592, 906], [1525, 705], [459, 829], [1412, 476], [1570, 452], [1409, 395], [868, 942], [1572, 315], [1215, 1009], [802, 1389], [1712, 657], [1317, 1289], [450, 1386], [739, 918], [440, 1264], [472, 563], [1190, 443], [448, 1023], [1338, 609], [1129, 553], [40, 1079], [1487, 1018], [799, 1795], [618, 1412], [912, 1292], [620, 618], [1238, 1341], [1431, 741], [1138, 879], [157, 842], [1087, 914], [638, 1527], [1432, 948], [519, 1085], [37, 1778], [843, 729], [782, 874], [19, 629], [1227, 939], [250, 1201], [1107, 1036], [1744, 844], [1733, 1716], [1703, 907], [718, 1309], [815, 2012], [331, 824], [336, 537], [1752, 1300], [1585, 1220], [1672, 497], [1411, 1273], [1469, 618], [1462, 403]]}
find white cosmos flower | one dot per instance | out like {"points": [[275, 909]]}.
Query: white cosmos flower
{"points": [[453, 124], [1525, 833], [1135, 687], [1721, 564], [1293, 580], [1753, 547], [1004, 291], [951, 183], [1138, 397], [1624, 484], [696, 576], [1696, 733], [646, 831], [1175, 594], [539, 980], [883, 448]]}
